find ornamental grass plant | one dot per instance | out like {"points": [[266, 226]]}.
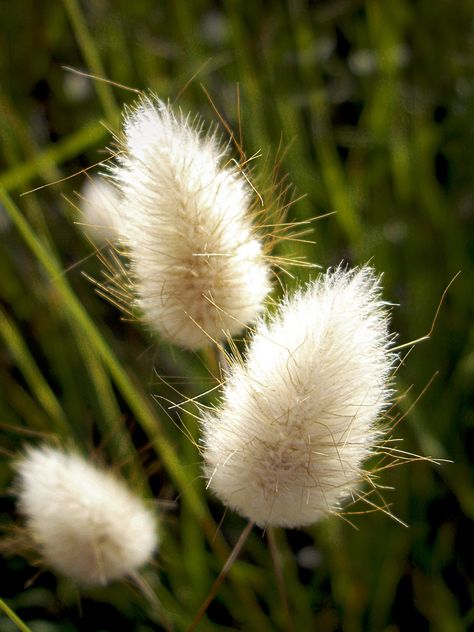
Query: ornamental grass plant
{"points": [[204, 403]]}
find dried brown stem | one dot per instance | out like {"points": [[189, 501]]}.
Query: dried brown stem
{"points": [[225, 569]]}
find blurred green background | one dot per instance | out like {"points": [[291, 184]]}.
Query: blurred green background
{"points": [[373, 103]]}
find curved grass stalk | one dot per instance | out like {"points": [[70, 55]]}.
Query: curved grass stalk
{"points": [[70, 147], [12, 338]]}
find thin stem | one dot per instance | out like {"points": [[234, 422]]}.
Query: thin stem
{"points": [[280, 580], [14, 617], [18, 348], [69, 147], [223, 361], [91, 55], [153, 599], [225, 569]]}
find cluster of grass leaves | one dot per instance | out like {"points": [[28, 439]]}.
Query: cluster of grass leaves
{"points": [[373, 103]]}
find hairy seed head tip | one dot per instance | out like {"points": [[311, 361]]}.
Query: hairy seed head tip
{"points": [[84, 520], [297, 419], [197, 264]]}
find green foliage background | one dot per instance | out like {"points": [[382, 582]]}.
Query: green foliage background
{"points": [[374, 100]]}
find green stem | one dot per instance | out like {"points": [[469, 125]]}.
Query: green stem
{"points": [[70, 147], [92, 58], [110, 418], [14, 617], [33, 376], [280, 580]]}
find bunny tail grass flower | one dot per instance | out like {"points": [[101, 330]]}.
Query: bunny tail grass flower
{"points": [[196, 262], [298, 416], [84, 521], [99, 203]]}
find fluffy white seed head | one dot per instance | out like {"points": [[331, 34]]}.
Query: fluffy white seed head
{"points": [[297, 418], [84, 521], [196, 262], [99, 203]]}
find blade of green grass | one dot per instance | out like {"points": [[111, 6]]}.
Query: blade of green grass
{"points": [[28, 413], [14, 617], [92, 57], [324, 144], [19, 176], [110, 418], [256, 124], [33, 376]]}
